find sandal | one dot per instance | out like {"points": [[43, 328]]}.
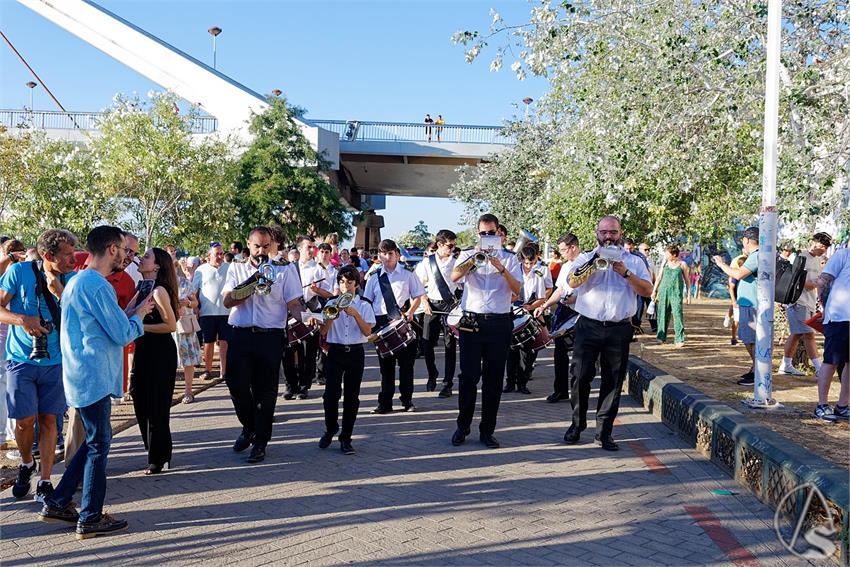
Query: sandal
{"points": [[188, 399]]}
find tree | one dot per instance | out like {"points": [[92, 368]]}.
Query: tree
{"points": [[418, 237], [281, 179], [169, 184], [657, 111]]}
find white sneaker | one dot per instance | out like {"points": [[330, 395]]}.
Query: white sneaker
{"points": [[790, 370]]}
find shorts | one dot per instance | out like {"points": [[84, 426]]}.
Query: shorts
{"points": [[34, 390], [797, 316], [747, 325], [215, 328], [836, 345]]}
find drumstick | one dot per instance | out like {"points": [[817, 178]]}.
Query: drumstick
{"points": [[311, 283]]}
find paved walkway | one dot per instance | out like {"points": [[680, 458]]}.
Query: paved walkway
{"points": [[408, 497]]}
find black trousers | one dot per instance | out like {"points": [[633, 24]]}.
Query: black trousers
{"points": [[520, 365], [308, 352], [609, 343], [483, 356], [642, 304], [253, 367], [343, 375], [432, 326], [290, 368], [562, 367], [152, 388], [405, 359]]}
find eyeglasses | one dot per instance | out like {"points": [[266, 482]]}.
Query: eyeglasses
{"points": [[130, 252], [608, 231], [487, 233]]}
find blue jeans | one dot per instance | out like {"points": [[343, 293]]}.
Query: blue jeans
{"points": [[88, 464]]}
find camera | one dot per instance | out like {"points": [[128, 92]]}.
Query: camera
{"points": [[39, 344]]}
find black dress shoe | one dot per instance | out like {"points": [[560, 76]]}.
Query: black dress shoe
{"points": [[446, 392], [243, 442], [523, 389], [258, 454], [288, 395], [302, 395], [431, 385], [381, 410], [326, 439], [607, 442], [459, 437], [409, 407], [490, 441], [345, 447], [555, 397], [572, 436], [508, 389]]}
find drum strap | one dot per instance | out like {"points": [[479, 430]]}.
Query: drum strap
{"points": [[437, 276], [393, 312]]}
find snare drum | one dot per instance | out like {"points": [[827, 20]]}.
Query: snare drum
{"points": [[297, 332], [453, 320], [393, 338], [563, 322], [525, 329]]}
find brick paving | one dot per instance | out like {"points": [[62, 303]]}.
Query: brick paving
{"points": [[409, 497]]}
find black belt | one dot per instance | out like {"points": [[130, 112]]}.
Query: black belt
{"points": [[260, 330], [345, 348], [626, 321], [489, 316]]}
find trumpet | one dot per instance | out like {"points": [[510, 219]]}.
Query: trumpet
{"points": [[337, 305], [601, 264], [480, 259], [607, 255], [265, 279]]}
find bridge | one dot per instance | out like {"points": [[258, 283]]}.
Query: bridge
{"points": [[368, 159]]}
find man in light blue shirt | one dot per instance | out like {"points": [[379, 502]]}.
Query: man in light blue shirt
{"points": [[95, 331]]}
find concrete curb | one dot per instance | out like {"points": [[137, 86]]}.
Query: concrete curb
{"points": [[766, 463]]}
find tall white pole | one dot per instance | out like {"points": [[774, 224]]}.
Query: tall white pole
{"points": [[763, 389]]}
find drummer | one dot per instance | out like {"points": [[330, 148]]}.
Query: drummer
{"points": [[345, 360], [435, 272], [536, 287], [562, 296], [485, 328], [395, 293]]}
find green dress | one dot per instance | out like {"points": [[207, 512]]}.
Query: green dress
{"points": [[669, 302]]}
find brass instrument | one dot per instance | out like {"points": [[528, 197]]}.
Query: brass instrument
{"points": [[525, 238], [337, 305], [583, 273], [480, 259], [601, 264], [265, 279]]}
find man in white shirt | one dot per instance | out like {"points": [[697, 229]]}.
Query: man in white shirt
{"points": [[435, 272], [805, 307], [208, 281], [486, 328], [324, 254], [834, 287], [395, 293], [564, 298], [606, 300], [256, 341]]}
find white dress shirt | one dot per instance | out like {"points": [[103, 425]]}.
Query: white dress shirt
{"points": [[404, 283], [425, 272], [208, 282], [485, 290], [265, 311], [345, 330], [606, 295], [311, 271], [563, 281], [329, 284], [534, 284]]}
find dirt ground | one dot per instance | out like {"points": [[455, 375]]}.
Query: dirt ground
{"points": [[708, 362]]}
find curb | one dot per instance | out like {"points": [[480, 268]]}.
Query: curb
{"points": [[767, 464]]}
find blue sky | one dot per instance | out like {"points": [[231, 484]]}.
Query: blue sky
{"points": [[380, 60]]}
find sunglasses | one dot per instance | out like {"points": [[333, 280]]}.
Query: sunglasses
{"points": [[487, 233]]}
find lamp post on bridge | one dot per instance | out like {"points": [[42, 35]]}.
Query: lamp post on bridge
{"points": [[214, 31], [277, 92], [527, 101], [32, 85]]}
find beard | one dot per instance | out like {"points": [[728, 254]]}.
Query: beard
{"points": [[609, 242]]}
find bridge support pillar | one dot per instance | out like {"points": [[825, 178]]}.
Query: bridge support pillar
{"points": [[368, 233]]}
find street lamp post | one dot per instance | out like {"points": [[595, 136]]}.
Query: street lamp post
{"points": [[214, 31], [32, 85], [277, 92], [527, 101]]}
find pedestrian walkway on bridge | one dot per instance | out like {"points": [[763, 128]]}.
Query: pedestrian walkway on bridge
{"points": [[408, 497]]}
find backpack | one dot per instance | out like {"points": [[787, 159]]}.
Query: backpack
{"points": [[790, 280]]}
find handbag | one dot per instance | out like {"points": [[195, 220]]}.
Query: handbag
{"points": [[188, 324]]}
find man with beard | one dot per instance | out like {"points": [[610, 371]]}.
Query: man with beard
{"points": [[256, 342], [606, 299]]}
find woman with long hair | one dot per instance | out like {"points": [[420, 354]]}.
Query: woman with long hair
{"points": [[155, 364]]}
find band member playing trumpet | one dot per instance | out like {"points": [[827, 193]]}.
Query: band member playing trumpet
{"points": [[536, 287], [436, 273], [394, 292], [607, 282], [348, 321], [260, 296], [491, 278]]}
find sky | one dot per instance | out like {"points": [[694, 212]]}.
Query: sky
{"points": [[381, 60]]}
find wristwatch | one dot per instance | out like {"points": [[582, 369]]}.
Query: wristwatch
{"points": [[627, 273]]}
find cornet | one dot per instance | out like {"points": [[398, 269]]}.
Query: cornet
{"points": [[606, 256], [337, 305], [480, 259], [265, 280]]}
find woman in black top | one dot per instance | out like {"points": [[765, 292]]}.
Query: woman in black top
{"points": [[155, 362]]}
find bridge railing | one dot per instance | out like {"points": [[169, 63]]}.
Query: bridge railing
{"points": [[50, 119], [355, 130]]}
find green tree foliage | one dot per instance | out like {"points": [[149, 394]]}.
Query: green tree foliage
{"points": [[280, 179], [418, 237]]}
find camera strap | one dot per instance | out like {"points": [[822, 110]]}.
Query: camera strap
{"points": [[42, 291]]}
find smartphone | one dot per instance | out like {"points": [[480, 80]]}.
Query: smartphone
{"points": [[144, 289]]}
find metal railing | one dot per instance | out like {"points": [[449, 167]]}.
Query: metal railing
{"points": [[50, 119], [356, 130]]}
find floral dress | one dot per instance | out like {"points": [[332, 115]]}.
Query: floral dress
{"points": [[188, 348]]}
